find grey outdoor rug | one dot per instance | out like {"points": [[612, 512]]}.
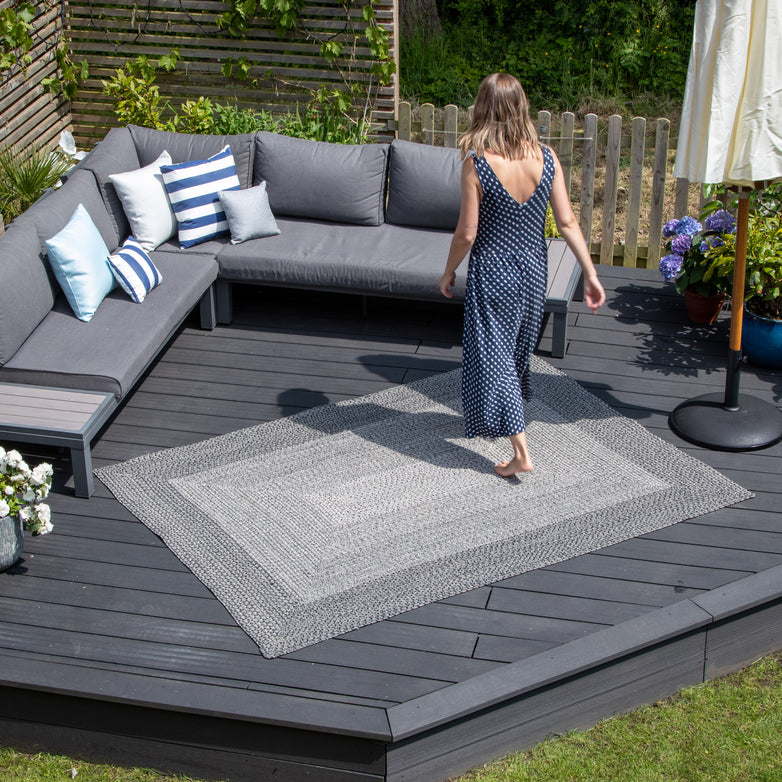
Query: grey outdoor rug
{"points": [[310, 526]]}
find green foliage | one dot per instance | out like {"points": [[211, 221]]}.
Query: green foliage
{"points": [[328, 116], [238, 18], [25, 174], [15, 28], [338, 48], [230, 120], [195, 116], [564, 52], [72, 74], [138, 100], [763, 290]]}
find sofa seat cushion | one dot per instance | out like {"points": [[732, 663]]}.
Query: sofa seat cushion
{"points": [[123, 337], [316, 180], [384, 260]]}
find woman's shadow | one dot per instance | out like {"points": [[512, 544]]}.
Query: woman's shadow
{"points": [[427, 436]]}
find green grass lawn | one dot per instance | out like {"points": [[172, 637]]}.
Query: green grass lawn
{"points": [[727, 730]]}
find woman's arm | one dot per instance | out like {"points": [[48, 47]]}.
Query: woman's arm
{"points": [[568, 227], [466, 228]]}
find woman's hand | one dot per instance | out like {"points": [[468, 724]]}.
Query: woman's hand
{"points": [[594, 294], [447, 282]]}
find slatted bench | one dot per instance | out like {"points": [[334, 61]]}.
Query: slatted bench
{"points": [[57, 416]]}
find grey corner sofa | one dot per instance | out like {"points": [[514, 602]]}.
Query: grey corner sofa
{"points": [[374, 220]]}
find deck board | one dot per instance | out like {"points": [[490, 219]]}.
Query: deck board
{"points": [[103, 623]]}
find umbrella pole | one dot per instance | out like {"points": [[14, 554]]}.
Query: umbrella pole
{"points": [[731, 421], [737, 308]]}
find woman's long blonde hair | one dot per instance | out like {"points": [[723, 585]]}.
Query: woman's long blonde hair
{"points": [[500, 120]]}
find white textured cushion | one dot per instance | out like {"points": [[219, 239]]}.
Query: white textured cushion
{"points": [[134, 270], [80, 261], [145, 203], [193, 191], [249, 214]]}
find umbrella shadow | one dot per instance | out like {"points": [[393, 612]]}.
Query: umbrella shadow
{"points": [[669, 343]]}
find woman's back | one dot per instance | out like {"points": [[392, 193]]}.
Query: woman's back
{"points": [[519, 177]]}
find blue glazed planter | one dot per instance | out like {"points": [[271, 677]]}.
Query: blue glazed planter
{"points": [[11, 541], [761, 340]]}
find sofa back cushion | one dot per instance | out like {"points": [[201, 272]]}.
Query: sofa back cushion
{"points": [[185, 147], [51, 213], [114, 155], [424, 186], [341, 183], [26, 293]]}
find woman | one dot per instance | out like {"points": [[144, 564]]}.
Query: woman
{"points": [[507, 181]]}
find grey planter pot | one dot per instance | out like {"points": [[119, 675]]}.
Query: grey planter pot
{"points": [[11, 541]]}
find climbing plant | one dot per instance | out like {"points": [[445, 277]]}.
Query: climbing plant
{"points": [[354, 101], [15, 29]]}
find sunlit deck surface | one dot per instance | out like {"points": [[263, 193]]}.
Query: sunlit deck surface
{"points": [[111, 649]]}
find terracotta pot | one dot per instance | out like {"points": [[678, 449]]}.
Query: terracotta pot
{"points": [[11, 541], [703, 309]]}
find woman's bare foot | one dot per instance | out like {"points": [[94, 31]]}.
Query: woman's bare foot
{"points": [[515, 465], [521, 461]]}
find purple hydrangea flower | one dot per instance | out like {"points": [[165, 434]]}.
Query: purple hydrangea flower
{"points": [[709, 242], [669, 229], [688, 225], [721, 221], [670, 266], [681, 243]]}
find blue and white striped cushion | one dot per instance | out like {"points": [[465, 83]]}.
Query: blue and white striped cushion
{"points": [[134, 271], [192, 189]]}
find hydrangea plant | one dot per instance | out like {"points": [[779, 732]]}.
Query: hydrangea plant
{"points": [[689, 262], [22, 491]]}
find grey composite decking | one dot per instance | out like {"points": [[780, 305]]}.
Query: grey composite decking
{"points": [[110, 648]]}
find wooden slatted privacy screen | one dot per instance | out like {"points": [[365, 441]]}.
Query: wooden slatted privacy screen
{"points": [[30, 116], [283, 68], [637, 192]]}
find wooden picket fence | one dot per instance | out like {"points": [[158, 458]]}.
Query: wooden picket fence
{"points": [[635, 192]]}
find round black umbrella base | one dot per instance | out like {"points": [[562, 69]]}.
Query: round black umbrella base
{"points": [[705, 421]]}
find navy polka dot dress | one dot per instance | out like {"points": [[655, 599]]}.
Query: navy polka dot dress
{"points": [[503, 308]]}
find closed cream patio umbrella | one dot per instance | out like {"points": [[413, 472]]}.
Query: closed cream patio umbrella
{"points": [[731, 133]]}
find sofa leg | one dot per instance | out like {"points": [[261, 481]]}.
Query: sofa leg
{"points": [[225, 304], [208, 309], [559, 335]]}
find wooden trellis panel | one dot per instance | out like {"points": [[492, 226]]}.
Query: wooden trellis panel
{"points": [[30, 116], [282, 69]]}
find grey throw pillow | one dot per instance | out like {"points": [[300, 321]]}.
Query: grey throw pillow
{"points": [[248, 213]]}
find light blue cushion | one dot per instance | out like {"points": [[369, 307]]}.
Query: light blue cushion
{"points": [[134, 270], [80, 261], [193, 189], [249, 214]]}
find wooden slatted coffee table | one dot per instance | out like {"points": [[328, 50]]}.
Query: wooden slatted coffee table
{"points": [[57, 416]]}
